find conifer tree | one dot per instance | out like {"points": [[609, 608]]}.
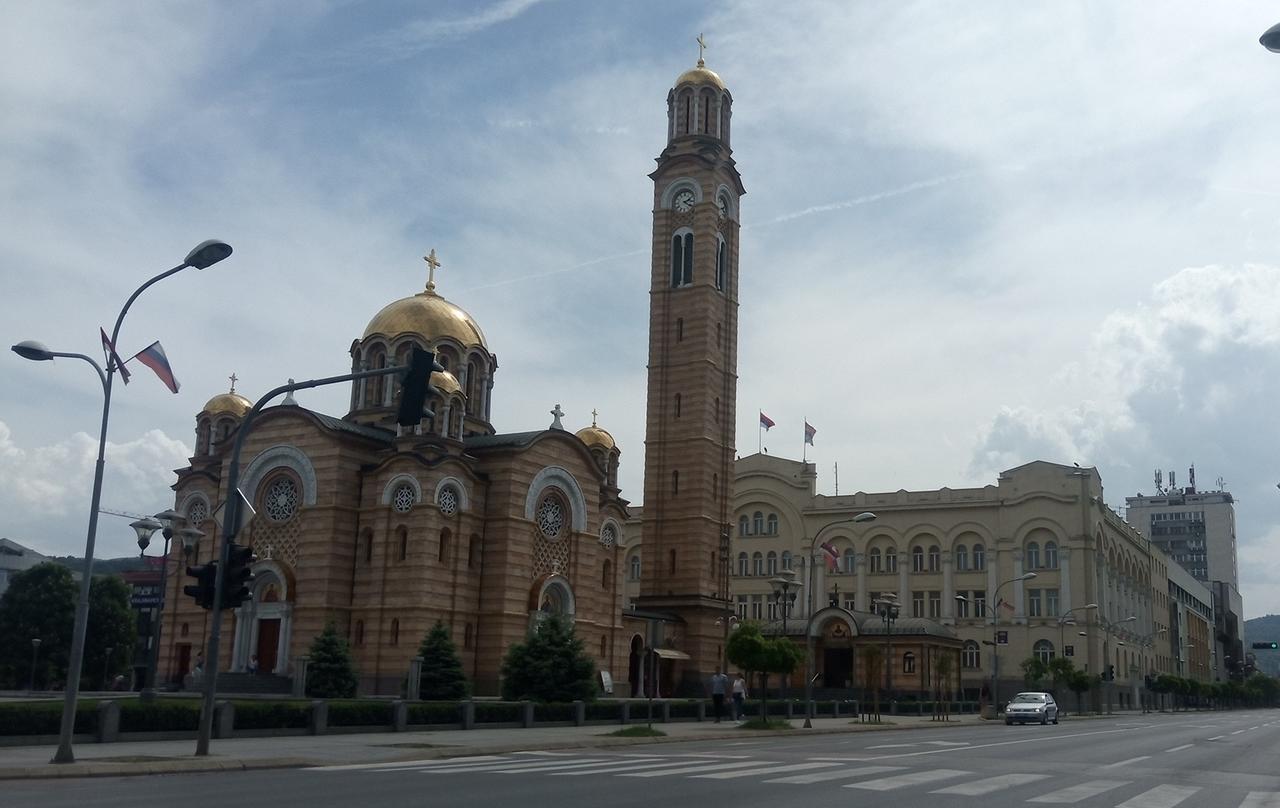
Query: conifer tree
{"points": [[442, 676], [551, 666], [331, 674]]}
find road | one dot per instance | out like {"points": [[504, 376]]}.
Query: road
{"points": [[1191, 760]]}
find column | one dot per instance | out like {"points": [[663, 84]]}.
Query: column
{"points": [[904, 584], [1064, 581], [993, 580], [817, 598], [860, 593], [1019, 609], [948, 590]]}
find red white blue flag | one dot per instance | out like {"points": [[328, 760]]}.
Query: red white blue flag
{"points": [[833, 557], [113, 358], [809, 432], [766, 421], [153, 357]]}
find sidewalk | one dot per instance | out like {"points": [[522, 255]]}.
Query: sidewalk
{"points": [[163, 757]]}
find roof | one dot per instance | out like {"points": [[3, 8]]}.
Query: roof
{"points": [[870, 624], [340, 425], [508, 439]]}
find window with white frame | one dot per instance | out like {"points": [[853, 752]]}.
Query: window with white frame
{"points": [[771, 562], [757, 607], [917, 559], [757, 523], [744, 564], [935, 604], [874, 560], [682, 259], [935, 558], [1034, 604], [849, 561], [891, 561], [979, 557], [1050, 555], [1032, 560], [786, 559], [633, 567], [743, 523], [742, 607], [1051, 603], [908, 662], [962, 608], [1043, 651], [979, 598], [757, 563], [772, 524], [917, 604], [961, 557], [971, 656]]}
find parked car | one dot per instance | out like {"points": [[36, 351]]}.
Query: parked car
{"points": [[1031, 706]]}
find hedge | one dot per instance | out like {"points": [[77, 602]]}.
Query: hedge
{"points": [[687, 709], [553, 712], [357, 713], [498, 712], [271, 714], [435, 712], [159, 716], [45, 718], [605, 711]]}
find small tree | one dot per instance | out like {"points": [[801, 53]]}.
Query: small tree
{"points": [[872, 660], [40, 603], [942, 686], [1080, 683], [112, 628], [442, 676], [550, 666], [1033, 672], [1060, 670], [754, 653], [331, 673]]}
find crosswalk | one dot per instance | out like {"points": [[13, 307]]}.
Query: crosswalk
{"points": [[1031, 787]]}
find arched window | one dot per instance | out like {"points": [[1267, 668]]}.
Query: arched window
{"points": [[891, 560], [744, 564], [677, 405], [395, 631], [404, 542], [1032, 560], [671, 562], [473, 387], [473, 551], [682, 259], [908, 662], [675, 483], [368, 548], [786, 559], [979, 557], [722, 263], [757, 564], [771, 562], [606, 575], [373, 396], [1043, 651], [359, 632], [935, 558], [757, 523], [1051, 555], [742, 525], [962, 557], [874, 560], [917, 559], [445, 535], [772, 524], [604, 646], [849, 561], [971, 656]]}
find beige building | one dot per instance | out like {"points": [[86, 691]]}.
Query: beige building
{"points": [[953, 558]]}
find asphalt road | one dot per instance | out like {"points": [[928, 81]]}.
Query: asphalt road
{"points": [[1218, 760]]}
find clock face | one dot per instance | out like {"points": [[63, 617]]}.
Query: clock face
{"points": [[683, 202]]}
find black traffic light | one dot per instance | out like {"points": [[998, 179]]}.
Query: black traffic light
{"points": [[236, 580], [1111, 673], [1266, 646], [415, 386], [206, 575]]}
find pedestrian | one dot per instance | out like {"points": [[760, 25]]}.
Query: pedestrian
{"points": [[197, 671], [252, 667], [719, 685], [739, 697]]}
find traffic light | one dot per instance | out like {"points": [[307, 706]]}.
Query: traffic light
{"points": [[206, 576], [1111, 673], [415, 386], [1266, 646], [236, 580]]}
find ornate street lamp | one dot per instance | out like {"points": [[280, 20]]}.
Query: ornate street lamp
{"points": [[888, 607]]}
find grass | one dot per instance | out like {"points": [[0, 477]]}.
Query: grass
{"points": [[761, 723], [638, 732]]}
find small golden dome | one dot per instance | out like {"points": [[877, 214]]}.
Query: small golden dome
{"points": [[446, 382], [430, 315], [232, 403], [701, 75], [594, 436]]}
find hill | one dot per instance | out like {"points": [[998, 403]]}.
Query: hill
{"points": [[105, 566]]}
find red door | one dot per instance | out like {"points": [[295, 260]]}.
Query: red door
{"points": [[268, 641], [184, 661]]}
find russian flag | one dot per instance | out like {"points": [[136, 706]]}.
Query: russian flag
{"points": [[833, 557], [809, 432], [766, 421], [153, 357]]}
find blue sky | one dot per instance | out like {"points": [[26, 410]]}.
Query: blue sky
{"points": [[974, 236]]}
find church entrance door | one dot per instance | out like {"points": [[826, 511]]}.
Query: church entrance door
{"points": [[184, 660], [268, 642], [837, 667]]}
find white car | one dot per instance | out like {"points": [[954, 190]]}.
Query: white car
{"points": [[1031, 706]]}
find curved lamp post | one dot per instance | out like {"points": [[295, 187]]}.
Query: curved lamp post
{"points": [[1271, 39], [203, 255], [1108, 628], [995, 625], [165, 521], [1067, 620]]}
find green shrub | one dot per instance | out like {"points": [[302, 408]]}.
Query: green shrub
{"points": [[159, 716], [271, 714], [435, 712], [45, 718], [359, 713], [498, 712], [552, 712]]}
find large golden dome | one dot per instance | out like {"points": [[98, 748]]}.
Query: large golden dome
{"points": [[446, 382], [232, 403], [594, 436], [701, 75], [430, 315]]}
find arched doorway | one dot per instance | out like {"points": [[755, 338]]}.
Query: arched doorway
{"points": [[830, 638], [264, 624], [550, 595]]}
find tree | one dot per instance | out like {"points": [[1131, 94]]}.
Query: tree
{"points": [[331, 673], [550, 666], [755, 653], [1080, 683], [942, 667], [1060, 669], [40, 603], [112, 627], [1034, 670], [442, 676]]}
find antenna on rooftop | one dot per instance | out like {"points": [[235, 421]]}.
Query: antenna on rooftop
{"points": [[1159, 481]]}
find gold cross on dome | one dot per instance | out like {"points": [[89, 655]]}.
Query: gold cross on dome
{"points": [[594, 414], [433, 264], [234, 379], [702, 46]]}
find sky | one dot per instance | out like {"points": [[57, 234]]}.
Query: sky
{"points": [[974, 235]]}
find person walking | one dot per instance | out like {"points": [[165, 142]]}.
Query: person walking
{"points": [[739, 697], [719, 686]]}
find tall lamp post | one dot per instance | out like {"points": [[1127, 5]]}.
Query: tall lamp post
{"points": [[1067, 620], [888, 607], [204, 255], [35, 653], [815, 558], [165, 521], [785, 590], [994, 613], [1108, 629]]}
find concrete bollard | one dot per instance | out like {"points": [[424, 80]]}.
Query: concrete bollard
{"points": [[625, 713], [526, 714], [468, 715], [413, 686], [108, 722], [666, 712], [300, 676], [224, 719], [790, 707], [579, 713], [835, 709], [702, 711], [318, 721], [399, 716]]}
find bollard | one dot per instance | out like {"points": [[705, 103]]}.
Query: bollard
{"points": [[702, 710], [300, 676], [579, 713], [108, 722], [468, 715], [526, 714], [224, 719], [413, 686], [399, 716], [318, 721], [835, 709], [625, 713], [666, 712]]}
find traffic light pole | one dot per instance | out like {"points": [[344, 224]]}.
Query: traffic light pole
{"points": [[230, 524]]}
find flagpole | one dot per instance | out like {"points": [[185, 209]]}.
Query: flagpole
{"points": [[804, 448], [759, 436]]}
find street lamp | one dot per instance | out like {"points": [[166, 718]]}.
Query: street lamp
{"points": [[888, 608], [35, 651], [994, 614], [1271, 39], [165, 521], [1067, 620], [730, 622], [814, 557], [785, 590], [203, 255], [1108, 627]]}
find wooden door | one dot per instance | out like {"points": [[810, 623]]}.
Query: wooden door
{"points": [[184, 661], [268, 642]]}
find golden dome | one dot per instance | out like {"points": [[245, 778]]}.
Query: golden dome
{"points": [[430, 315], [232, 403], [701, 75], [594, 436], [446, 382]]}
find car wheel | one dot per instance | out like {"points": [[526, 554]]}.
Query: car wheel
{"points": [[1008, 722], [1055, 719], [1044, 719]]}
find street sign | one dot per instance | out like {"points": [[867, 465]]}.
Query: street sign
{"points": [[606, 682], [1069, 650], [1002, 638], [246, 513], [144, 600]]}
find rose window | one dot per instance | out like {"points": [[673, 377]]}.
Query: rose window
{"points": [[404, 498], [609, 536], [448, 501], [550, 517], [281, 500], [197, 513]]}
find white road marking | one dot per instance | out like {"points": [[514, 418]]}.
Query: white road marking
{"points": [[893, 746], [911, 779], [687, 769], [546, 754], [596, 766], [946, 743], [1019, 742], [1079, 792], [1237, 732], [631, 766], [401, 764], [1180, 748], [1252, 728], [793, 767], [1262, 799], [841, 774], [979, 787], [1217, 737], [1125, 762], [510, 766], [1164, 796]]}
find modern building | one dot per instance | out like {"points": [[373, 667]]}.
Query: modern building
{"points": [[1191, 627], [15, 558]]}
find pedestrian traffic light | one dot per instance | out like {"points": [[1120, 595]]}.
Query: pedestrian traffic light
{"points": [[415, 386], [236, 580], [206, 576], [1266, 646]]}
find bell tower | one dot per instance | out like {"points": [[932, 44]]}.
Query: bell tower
{"points": [[693, 361]]}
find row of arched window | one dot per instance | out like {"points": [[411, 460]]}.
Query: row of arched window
{"points": [[393, 634], [682, 260], [758, 525], [971, 654], [1033, 560], [769, 563], [443, 548]]}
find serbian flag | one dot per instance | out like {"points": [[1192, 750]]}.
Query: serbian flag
{"points": [[809, 432], [1005, 605], [113, 357], [153, 357], [766, 421], [833, 557]]}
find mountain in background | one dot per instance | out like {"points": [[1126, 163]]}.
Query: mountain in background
{"points": [[1264, 629], [112, 566]]}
